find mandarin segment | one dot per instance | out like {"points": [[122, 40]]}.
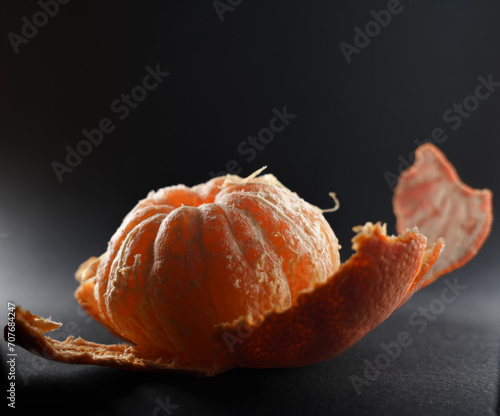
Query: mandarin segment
{"points": [[106, 260], [125, 290], [177, 289], [296, 232]]}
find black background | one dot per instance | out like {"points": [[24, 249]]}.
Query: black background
{"points": [[354, 122]]}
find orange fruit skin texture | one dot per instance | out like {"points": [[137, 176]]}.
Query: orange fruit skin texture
{"points": [[244, 273], [186, 260]]}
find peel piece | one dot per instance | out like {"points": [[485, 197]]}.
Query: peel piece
{"points": [[30, 331], [336, 314], [430, 195]]}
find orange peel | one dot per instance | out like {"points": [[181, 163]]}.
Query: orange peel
{"points": [[430, 195]]}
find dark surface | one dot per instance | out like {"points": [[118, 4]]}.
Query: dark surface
{"points": [[354, 123], [450, 368]]}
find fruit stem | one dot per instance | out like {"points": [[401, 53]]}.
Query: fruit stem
{"points": [[337, 203]]}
